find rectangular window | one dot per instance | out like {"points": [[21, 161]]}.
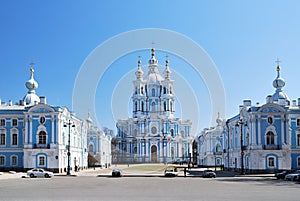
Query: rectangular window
{"points": [[41, 160], [2, 122], [2, 139], [298, 162], [271, 162], [298, 122], [14, 122], [14, 139], [2, 160], [14, 160]]}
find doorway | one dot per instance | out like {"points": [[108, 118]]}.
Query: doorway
{"points": [[154, 154]]}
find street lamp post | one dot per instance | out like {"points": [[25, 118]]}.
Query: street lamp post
{"points": [[241, 123], [69, 124]]}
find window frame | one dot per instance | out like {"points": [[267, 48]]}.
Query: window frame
{"points": [[14, 160], [2, 142], [42, 138], [14, 139], [271, 162], [42, 159], [2, 158], [2, 122], [14, 122]]}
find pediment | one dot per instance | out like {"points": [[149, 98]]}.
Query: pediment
{"points": [[41, 109], [271, 108]]}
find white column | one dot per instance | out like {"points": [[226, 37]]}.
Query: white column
{"points": [[30, 134], [259, 130], [26, 130], [52, 129], [253, 134], [147, 147], [282, 129]]}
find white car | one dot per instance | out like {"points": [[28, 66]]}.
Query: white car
{"points": [[38, 172], [171, 172], [293, 176]]}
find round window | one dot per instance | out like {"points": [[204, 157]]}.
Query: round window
{"points": [[270, 120], [42, 120]]}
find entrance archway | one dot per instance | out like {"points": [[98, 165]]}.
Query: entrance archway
{"points": [[154, 154]]}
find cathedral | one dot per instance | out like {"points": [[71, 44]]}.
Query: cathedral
{"points": [[153, 133], [34, 134], [264, 137]]}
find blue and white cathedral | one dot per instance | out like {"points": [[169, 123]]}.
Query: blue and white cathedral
{"points": [[34, 134], [153, 134], [264, 137]]}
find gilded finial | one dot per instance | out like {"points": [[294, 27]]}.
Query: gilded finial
{"points": [[153, 51], [167, 61], [278, 67], [31, 71], [139, 61]]}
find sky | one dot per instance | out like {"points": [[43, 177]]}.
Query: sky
{"points": [[242, 38]]}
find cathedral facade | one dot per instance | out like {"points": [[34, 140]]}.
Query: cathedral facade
{"points": [[264, 137], [34, 134], [153, 133]]}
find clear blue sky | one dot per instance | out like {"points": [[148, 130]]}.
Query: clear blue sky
{"points": [[243, 38]]}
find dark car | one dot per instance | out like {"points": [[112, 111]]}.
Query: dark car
{"points": [[281, 175], [209, 174], [116, 173]]}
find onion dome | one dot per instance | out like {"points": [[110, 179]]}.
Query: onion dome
{"points": [[167, 71], [31, 98], [139, 73], [153, 60], [278, 84], [31, 84]]}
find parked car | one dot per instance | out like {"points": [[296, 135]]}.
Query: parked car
{"points": [[209, 174], [38, 172], [281, 175], [116, 173], [179, 161], [171, 172], [292, 176]]}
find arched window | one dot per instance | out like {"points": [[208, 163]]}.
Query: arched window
{"points": [[42, 137], [298, 140], [165, 106], [14, 160], [165, 90], [2, 160], [218, 148], [270, 138], [142, 106], [91, 148], [142, 90], [135, 106], [171, 90], [172, 132], [2, 138], [153, 106], [14, 139], [153, 92], [171, 106]]}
